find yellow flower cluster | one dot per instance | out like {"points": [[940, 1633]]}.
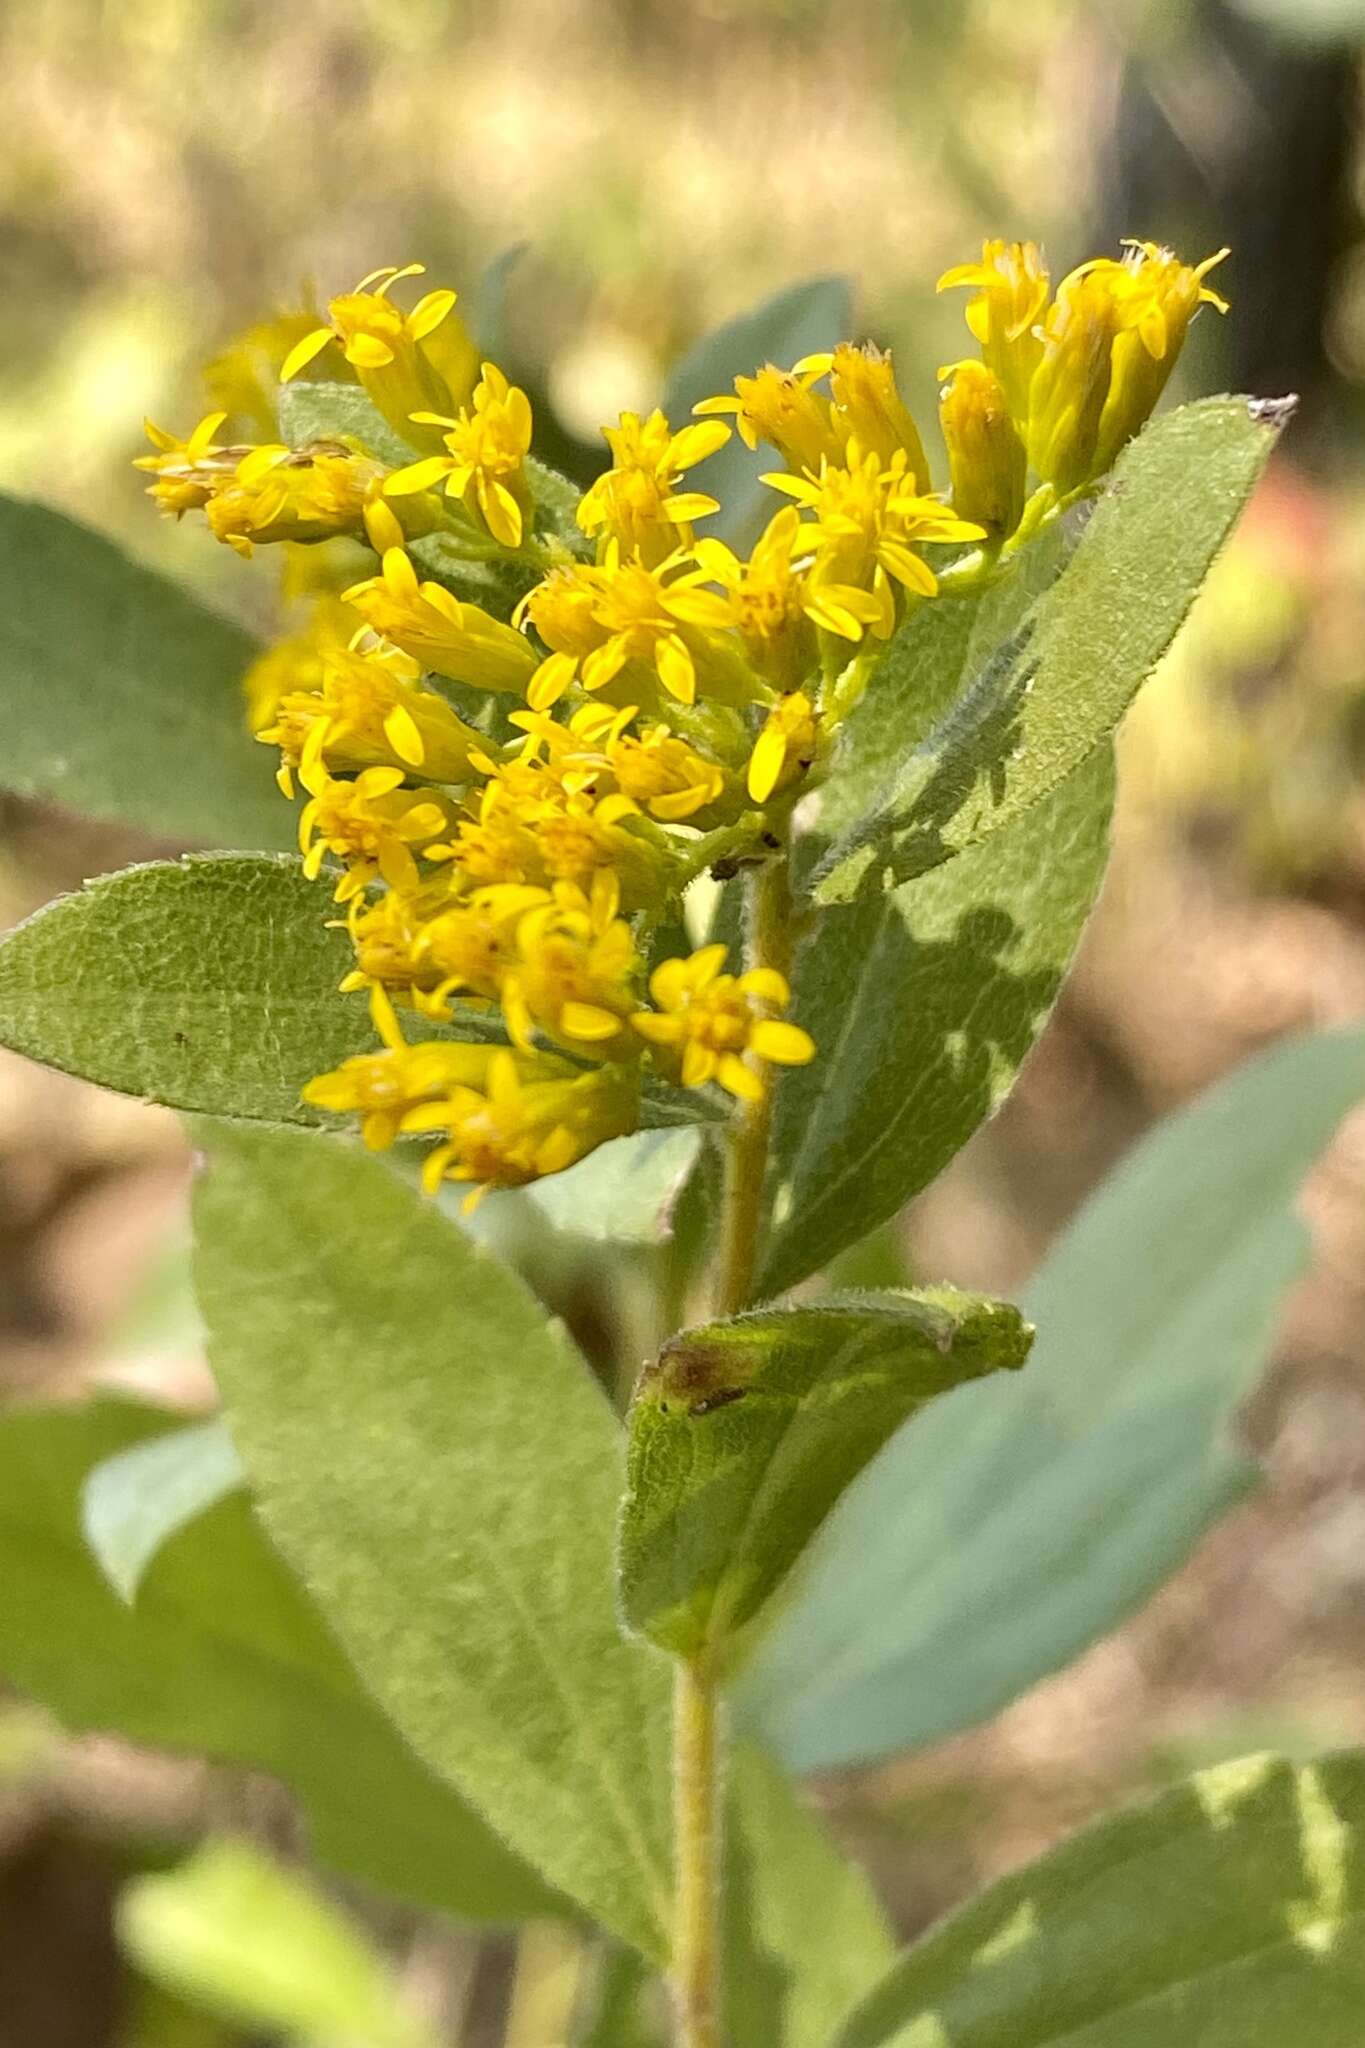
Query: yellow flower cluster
{"points": [[511, 794]]}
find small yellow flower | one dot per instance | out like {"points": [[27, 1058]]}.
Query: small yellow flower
{"points": [[767, 598], [781, 408], [986, 458], [457, 640], [369, 711], [575, 972], [637, 502], [786, 747], [867, 407], [388, 937], [372, 824], [469, 947], [384, 1087], [297, 661], [706, 1022], [1010, 284], [283, 494], [1163, 295], [621, 623], [422, 361], [483, 466], [187, 473], [867, 524], [528, 1118]]}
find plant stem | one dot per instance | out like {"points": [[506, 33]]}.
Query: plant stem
{"points": [[698, 1737], [696, 1809]]}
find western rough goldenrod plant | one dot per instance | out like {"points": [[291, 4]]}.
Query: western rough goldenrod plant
{"points": [[691, 860]]}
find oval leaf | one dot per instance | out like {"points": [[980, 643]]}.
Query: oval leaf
{"points": [[435, 1460], [924, 1004], [745, 1433], [1227, 1914], [122, 693], [944, 1583], [209, 984], [224, 1656], [1030, 720]]}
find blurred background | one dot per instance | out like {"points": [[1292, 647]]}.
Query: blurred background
{"points": [[172, 170]]}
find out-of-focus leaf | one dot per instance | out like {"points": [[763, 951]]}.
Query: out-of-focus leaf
{"points": [[208, 983], [745, 1433], [792, 324], [239, 1935], [924, 1004], [623, 1190], [121, 692], [1037, 712], [224, 1656], [1229, 1913], [805, 1936], [135, 1501], [947, 1579], [1309, 21], [436, 1461]]}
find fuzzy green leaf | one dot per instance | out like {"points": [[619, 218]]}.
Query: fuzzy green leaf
{"points": [[209, 984], [439, 1466], [923, 1005], [223, 1656], [1229, 1913], [137, 1500], [1035, 713], [793, 323], [235, 1934], [745, 1432], [122, 693], [944, 1583]]}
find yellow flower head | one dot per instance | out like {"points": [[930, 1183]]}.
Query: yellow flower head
{"points": [[307, 494], [637, 502], [529, 1117], [371, 712], [868, 409], [187, 473], [457, 640], [1010, 287], [780, 407], [470, 947], [706, 1022], [383, 1088], [575, 972], [986, 458], [1162, 296], [644, 626], [867, 523], [388, 937], [786, 747], [422, 361], [372, 823], [485, 450], [767, 598]]}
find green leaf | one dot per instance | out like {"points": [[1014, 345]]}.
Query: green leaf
{"points": [[225, 1657], [137, 1500], [122, 693], [1310, 22], [946, 1580], [1041, 708], [208, 983], [1229, 1913], [793, 323], [623, 1191], [438, 1464], [804, 1933], [238, 1935], [745, 1433], [939, 990]]}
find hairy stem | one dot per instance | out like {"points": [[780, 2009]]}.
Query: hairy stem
{"points": [[698, 1764], [697, 1821]]}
